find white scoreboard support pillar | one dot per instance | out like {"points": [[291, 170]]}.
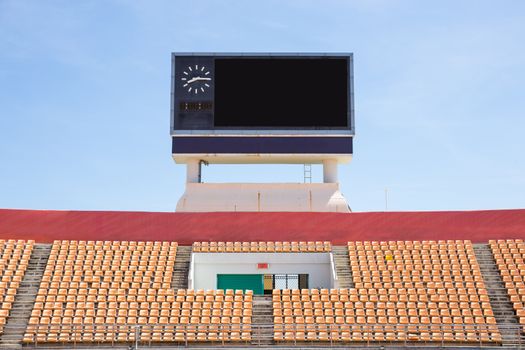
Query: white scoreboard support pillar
{"points": [[193, 171], [330, 171]]}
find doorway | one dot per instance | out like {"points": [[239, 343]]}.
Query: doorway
{"points": [[241, 281], [285, 281]]}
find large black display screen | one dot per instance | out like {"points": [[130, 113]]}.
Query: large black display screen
{"points": [[256, 93], [281, 93]]}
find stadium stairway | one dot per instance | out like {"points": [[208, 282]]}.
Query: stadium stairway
{"points": [[499, 298], [181, 268], [261, 319], [342, 266], [25, 298]]}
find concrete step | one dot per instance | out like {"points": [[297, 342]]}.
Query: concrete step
{"points": [[262, 319], [499, 298], [342, 266], [181, 267]]}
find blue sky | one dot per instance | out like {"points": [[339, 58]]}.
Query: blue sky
{"points": [[439, 92]]}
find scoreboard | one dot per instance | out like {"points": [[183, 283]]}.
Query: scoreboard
{"points": [[262, 103]]}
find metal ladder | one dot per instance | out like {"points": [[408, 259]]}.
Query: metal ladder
{"points": [[307, 173]]}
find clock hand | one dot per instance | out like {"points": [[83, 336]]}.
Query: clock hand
{"points": [[197, 79]]}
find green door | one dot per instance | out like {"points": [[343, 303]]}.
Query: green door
{"points": [[253, 282]]}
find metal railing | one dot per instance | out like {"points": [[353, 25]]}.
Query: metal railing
{"points": [[293, 334]]}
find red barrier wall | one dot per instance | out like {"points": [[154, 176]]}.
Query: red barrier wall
{"points": [[185, 228]]}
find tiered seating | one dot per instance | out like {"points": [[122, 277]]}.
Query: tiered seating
{"points": [[434, 284], [214, 315], [120, 291], [404, 291], [14, 258], [510, 258], [262, 247], [312, 315]]}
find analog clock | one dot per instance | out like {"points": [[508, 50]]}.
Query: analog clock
{"points": [[196, 79]]}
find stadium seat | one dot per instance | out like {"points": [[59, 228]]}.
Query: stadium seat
{"points": [[262, 247], [14, 259], [108, 291], [510, 259], [428, 291], [423, 283]]}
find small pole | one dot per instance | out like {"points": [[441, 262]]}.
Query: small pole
{"points": [[386, 199], [137, 333]]}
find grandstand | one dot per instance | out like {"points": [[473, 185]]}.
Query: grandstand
{"points": [[394, 292]]}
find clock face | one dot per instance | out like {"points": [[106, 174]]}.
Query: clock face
{"points": [[196, 79]]}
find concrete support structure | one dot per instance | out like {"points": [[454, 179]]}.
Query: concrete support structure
{"points": [[310, 197], [330, 171], [263, 197], [193, 171]]}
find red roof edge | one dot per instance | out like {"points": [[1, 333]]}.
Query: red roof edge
{"points": [[186, 228]]}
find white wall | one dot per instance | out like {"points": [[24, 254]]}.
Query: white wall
{"points": [[206, 266], [309, 197]]}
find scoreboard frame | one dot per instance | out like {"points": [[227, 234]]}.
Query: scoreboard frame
{"points": [[348, 130]]}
